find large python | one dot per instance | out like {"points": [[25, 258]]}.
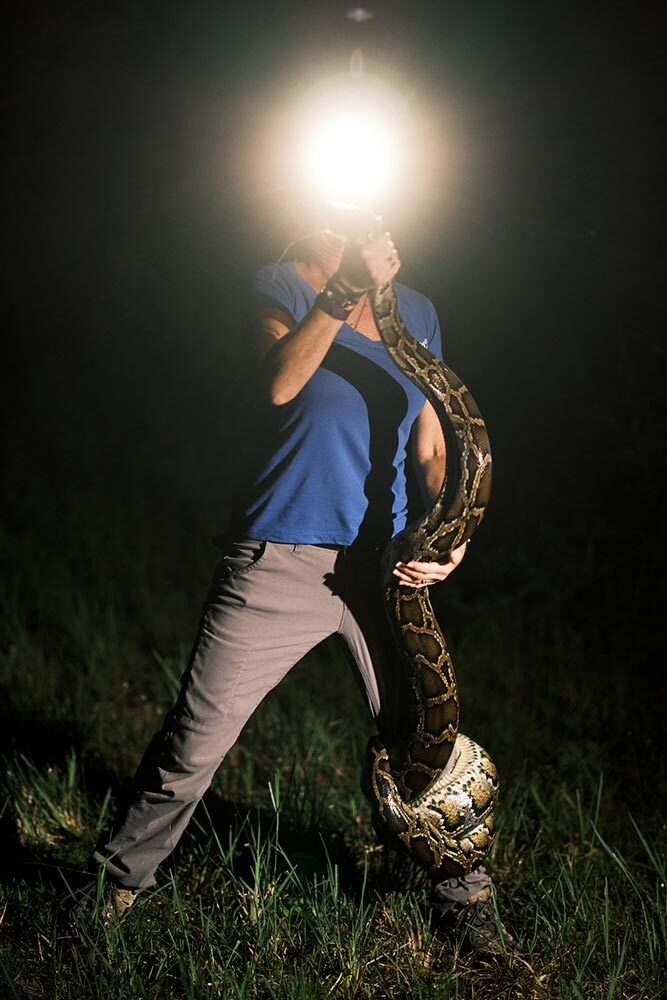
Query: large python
{"points": [[436, 794]]}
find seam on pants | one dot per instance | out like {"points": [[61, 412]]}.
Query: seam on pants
{"points": [[232, 694], [180, 708]]}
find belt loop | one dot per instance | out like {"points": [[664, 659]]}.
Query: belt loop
{"points": [[297, 547]]}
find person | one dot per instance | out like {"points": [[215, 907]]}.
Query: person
{"points": [[325, 491]]}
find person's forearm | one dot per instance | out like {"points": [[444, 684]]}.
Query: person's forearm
{"points": [[294, 358]]}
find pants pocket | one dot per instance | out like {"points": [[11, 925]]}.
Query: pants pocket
{"points": [[243, 555]]}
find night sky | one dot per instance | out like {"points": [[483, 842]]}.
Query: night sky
{"points": [[143, 187]]}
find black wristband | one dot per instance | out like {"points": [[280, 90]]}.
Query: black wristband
{"points": [[337, 298], [343, 293], [326, 302]]}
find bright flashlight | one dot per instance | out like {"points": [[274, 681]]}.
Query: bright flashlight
{"points": [[350, 139], [350, 158]]}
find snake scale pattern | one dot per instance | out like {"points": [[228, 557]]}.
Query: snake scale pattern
{"points": [[435, 795]]}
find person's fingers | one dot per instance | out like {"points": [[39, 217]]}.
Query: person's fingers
{"points": [[407, 581], [383, 255], [421, 574], [378, 250], [433, 575], [379, 257], [377, 244], [422, 567], [409, 575], [383, 271], [434, 571], [452, 558]]}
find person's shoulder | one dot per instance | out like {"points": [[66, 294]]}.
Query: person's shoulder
{"points": [[274, 280], [280, 285], [272, 274], [420, 316], [411, 297]]}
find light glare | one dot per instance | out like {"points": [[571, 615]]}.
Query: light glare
{"points": [[350, 158]]}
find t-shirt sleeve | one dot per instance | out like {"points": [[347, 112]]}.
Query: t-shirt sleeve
{"points": [[271, 290]]}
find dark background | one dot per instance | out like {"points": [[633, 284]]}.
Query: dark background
{"points": [[140, 194]]}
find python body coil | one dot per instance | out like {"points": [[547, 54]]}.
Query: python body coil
{"points": [[435, 795]]}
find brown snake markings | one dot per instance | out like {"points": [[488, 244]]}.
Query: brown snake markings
{"points": [[436, 794]]}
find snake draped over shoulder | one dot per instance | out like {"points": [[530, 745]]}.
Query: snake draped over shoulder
{"points": [[436, 794]]}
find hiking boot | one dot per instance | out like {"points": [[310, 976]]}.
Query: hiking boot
{"points": [[109, 904], [116, 902], [478, 922], [474, 920]]}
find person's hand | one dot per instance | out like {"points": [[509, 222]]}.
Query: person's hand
{"points": [[423, 574], [364, 265]]}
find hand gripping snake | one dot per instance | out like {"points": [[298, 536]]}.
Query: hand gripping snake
{"points": [[436, 794]]}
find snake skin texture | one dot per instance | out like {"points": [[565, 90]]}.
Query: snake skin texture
{"points": [[436, 794]]}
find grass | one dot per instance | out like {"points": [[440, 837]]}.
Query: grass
{"points": [[278, 888]]}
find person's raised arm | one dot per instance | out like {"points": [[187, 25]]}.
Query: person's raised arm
{"points": [[289, 354]]}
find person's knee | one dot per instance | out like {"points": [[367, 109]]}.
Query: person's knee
{"points": [[179, 763]]}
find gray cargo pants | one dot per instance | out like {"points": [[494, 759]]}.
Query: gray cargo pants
{"points": [[268, 605]]}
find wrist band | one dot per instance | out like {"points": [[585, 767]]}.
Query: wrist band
{"points": [[328, 306], [337, 298]]}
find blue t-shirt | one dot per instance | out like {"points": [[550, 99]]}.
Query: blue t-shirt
{"points": [[330, 465]]}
